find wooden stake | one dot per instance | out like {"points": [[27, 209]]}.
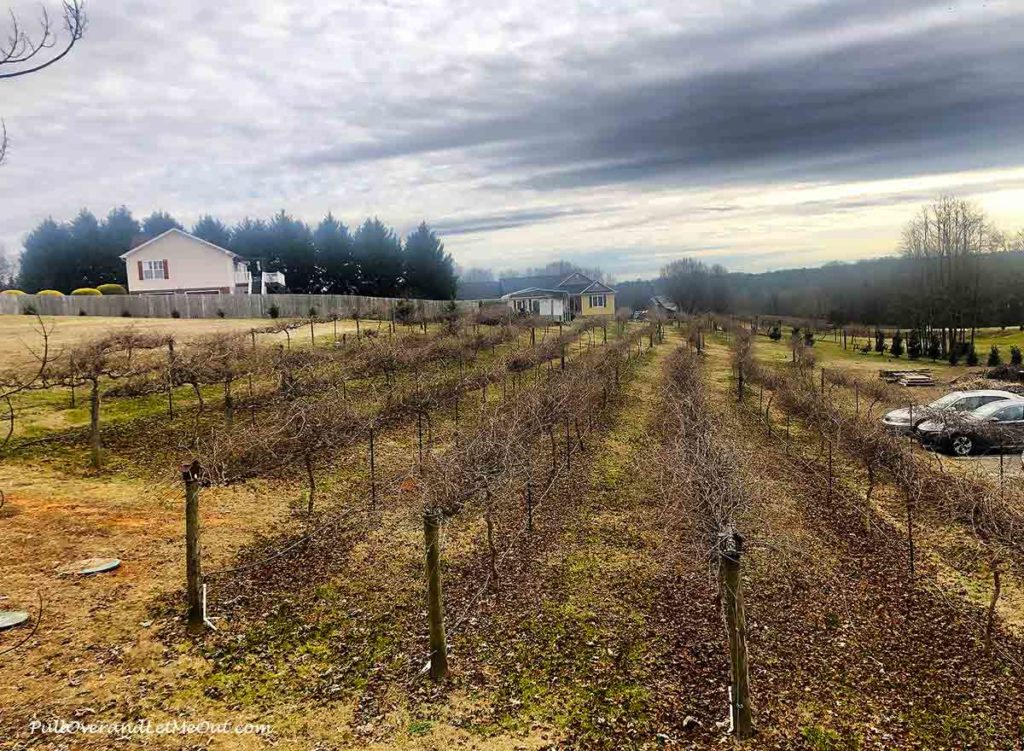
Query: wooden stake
{"points": [[192, 477], [435, 605], [730, 549]]}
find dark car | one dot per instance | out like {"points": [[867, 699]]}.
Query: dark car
{"points": [[995, 426]]}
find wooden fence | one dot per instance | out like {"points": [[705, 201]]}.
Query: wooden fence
{"points": [[218, 306]]}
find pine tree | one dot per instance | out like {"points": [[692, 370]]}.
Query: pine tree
{"points": [[897, 344], [378, 253], [1015, 355], [212, 230], [914, 344], [47, 249], [333, 246], [995, 359], [157, 223], [429, 271]]}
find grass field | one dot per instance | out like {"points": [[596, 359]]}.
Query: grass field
{"points": [[601, 627]]}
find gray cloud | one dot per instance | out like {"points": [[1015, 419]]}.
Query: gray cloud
{"points": [[518, 130]]}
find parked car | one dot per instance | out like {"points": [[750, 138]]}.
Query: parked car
{"points": [[998, 425], [899, 420]]}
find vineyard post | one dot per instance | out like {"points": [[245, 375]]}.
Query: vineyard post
{"points": [[730, 549], [170, 379], [991, 616], [568, 445], [192, 476], [312, 336], [435, 606], [823, 381], [563, 356], [491, 550], [856, 399], [373, 472], [334, 318], [739, 381], [419, 434], [95, 450], [529, 506]]}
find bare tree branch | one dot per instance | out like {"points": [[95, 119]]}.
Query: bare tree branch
{"points": [[22, 48]]}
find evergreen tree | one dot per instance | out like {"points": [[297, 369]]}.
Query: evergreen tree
{"points": [[429, 271], [775, 332], [914, 344], [972, 355], [293, 245], [1015, 355], [995, 359], [897, 344], [117, 234], [332, 244], [934, 347], [378, 253], [157, 223], [808, 338], [212, 230], [879, 341], [47, 250], [87, 256]]}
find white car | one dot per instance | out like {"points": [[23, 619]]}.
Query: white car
{"points": [[907, 419]]}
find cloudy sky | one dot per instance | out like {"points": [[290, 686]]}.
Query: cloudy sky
{"points": [[758, 135]]}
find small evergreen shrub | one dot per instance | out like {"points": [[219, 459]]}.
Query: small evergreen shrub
{"points": [[808, 338], [405, 312], [12, 292], [897, 344], [126, 314], [914, 344], [175, 314], [273, 311], [220, 313], [972, 356], [86, 292], [994, 358], [82, 313], [112, 289], [50, 293], [1015, 355]]}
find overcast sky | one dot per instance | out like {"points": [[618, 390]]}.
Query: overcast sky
{"points": [[755, 134]]}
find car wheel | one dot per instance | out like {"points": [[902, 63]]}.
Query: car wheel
{"points": [[961, 445]]}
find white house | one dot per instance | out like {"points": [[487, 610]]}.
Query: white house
{"points": [[176, 261], [553, 303]]}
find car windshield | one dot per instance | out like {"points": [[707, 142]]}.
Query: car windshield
{"points": [[945, 401]]}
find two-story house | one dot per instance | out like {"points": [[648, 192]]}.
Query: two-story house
{"points": [[176, 261]]}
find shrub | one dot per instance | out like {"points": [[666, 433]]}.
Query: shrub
{"points": [[273, 311], [29, 310], [808, 338], [312, 312], [86, 291], [775, 332], [126, 314], [112, 289], [972, 356], [994, 358], [82, 313], [1015, 355], [220, 313], [404, 311], [12, 292], [175, 314], [879, 341], [897, 344], [50, 293], [934, 347], [954, 355], [914, 344]]}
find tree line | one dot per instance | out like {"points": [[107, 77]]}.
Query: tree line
{"points": [[954, 271], [326, 259]]}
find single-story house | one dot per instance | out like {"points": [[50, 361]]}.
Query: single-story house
{"points": [[552, 303], [579, 295], [176, 261]]}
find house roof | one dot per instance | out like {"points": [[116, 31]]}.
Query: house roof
{"points": [[183, 233], [665, 303], [479, 291], [535, 292], [597, 287], [513, 283]]}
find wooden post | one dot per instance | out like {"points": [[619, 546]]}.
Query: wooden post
{"points": [[192, 476], [312, 336], [373, 473], [435, 605], [308, 462], [730, 549], [563, 356], [823, 381], [95, 449], [170, 379], [990, 620], [529, 506], [492, 551], [568, 446]]}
